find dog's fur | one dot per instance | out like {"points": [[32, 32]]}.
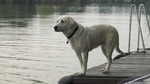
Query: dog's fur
{"points": [[87, 38]]}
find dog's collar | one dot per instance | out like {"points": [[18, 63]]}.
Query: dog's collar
{"points": [[72, 33]]}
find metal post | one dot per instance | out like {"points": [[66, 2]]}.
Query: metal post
{"points": [[140, 30], [131, 8]]}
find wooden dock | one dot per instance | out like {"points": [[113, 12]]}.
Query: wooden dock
{"points": [[131, 66]]}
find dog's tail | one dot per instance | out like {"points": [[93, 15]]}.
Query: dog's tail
{"points": [[122, 54], [117, 46]]}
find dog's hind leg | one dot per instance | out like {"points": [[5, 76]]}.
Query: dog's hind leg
{"points": [[109, 51], [109, 47], [103, 50]]}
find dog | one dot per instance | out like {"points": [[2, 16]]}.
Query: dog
{"points": [[84, 39]]}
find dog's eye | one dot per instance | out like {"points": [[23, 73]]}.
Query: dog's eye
{"points": [[62, 21]]}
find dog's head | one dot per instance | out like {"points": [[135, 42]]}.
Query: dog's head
{"points": [[63, 23]]}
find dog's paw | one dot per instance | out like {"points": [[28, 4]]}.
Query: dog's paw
{"points": [[102, 69], [81, 74], [105, 71]]}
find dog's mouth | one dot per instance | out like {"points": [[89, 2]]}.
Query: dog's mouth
{"points": [[58, 30]]}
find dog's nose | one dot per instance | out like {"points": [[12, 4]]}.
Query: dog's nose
{"points": [[55, 27]]}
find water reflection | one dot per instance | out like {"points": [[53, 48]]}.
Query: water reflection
{"points": [[43, 11], [29, 11], [14, 23], [17, 11]]}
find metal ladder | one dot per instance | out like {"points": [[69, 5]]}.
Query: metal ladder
{"points": [[138, 13]]}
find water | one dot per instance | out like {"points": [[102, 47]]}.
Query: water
{"points": [[32, 53]]}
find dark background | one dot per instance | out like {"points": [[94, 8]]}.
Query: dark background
{"points": [[69, 1]]}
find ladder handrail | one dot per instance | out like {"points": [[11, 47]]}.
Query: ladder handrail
{"points": [[142, 5], [140, 30], [139, 16], [139, 24], [139, 79], [131, 8]]}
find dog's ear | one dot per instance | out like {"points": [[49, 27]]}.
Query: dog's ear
{"points": [[59, 18], [70, 21]]}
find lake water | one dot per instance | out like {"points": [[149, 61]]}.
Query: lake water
{"points": [[31, 52]]}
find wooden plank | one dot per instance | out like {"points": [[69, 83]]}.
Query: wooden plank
{"points": [[134, 65], [96, 80]]}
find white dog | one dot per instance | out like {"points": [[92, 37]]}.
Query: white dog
{"points": [[84, 39]]}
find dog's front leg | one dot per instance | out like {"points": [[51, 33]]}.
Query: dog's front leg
{"points": [[81, 62], [85, 61]]}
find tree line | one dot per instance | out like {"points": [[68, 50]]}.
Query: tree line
{"points": [[67, 1]]}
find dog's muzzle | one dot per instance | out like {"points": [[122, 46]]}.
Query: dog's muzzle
{"points": [[56, 28]]}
